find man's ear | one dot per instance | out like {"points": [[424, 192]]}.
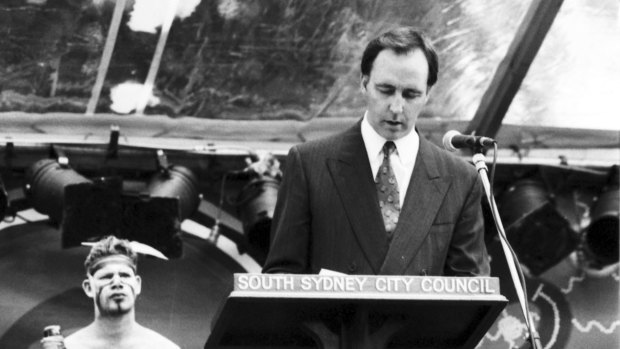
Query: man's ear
{"points": [[88, 288], [138, 288], [364, 82], [428, 92]]}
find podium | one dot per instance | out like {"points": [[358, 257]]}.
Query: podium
{"points": [[356, 312]]}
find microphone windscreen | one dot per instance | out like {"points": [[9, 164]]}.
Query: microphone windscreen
{"points": [[447, 140]]}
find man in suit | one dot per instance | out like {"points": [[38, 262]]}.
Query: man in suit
{"points": [[378, 198]]}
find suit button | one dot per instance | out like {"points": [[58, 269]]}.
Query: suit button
{"points": [[352, 267]]}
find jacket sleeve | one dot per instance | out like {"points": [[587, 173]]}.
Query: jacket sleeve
{"points": [[291, 225], [467, 254]]}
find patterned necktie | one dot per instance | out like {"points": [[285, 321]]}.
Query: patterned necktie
{"points": [[387, 190]]}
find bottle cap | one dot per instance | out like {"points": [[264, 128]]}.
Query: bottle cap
{"points": [[51, 330]]}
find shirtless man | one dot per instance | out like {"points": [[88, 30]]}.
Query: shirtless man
{"points": [[113, 285]]}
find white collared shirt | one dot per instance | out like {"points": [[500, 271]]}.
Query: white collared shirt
{"points": [[402, 160]]}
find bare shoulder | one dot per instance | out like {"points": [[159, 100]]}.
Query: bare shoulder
{"points": [[140, 338], [81, 339], [156, 340]]}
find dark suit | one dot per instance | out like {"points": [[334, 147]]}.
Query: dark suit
{"points": [[328, 216]]}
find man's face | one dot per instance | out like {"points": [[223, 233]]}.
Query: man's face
{"points": [[114, 288], [396, 92]]}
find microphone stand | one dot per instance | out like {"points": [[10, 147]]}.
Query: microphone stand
{"points": [[515, 269]]}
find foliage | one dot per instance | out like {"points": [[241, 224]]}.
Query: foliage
{"points": [[229, 57], [251, 59]]}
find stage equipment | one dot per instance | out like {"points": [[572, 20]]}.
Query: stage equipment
{"points": [[512, 260], [600, 239], [256, 203], [88, 209], [539, 234], [154, 216], [454, 140], [4, 200], [84, 209], [180, 183]]}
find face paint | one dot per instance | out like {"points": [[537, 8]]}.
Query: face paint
{"points": [[115, 287]]}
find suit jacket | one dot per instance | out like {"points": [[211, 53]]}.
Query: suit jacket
{"points": [[327, 214]]}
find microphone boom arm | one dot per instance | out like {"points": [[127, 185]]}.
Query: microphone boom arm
{"points": [[511, 258]]}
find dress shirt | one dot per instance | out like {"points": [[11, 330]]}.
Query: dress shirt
{"points": [[402, 160]]}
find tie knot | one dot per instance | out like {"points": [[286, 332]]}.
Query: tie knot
{"points": [[388, 148]]}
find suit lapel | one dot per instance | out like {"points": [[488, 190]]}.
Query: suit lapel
{"points": [[424, 196], [352, 176]]}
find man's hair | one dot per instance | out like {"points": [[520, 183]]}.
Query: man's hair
{"points": [[110, 246], [402, 41]]}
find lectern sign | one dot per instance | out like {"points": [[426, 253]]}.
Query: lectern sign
{"points": [[369, 285], [339, 311]]}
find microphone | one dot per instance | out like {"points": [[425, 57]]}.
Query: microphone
{"points": [[454, 140]]}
